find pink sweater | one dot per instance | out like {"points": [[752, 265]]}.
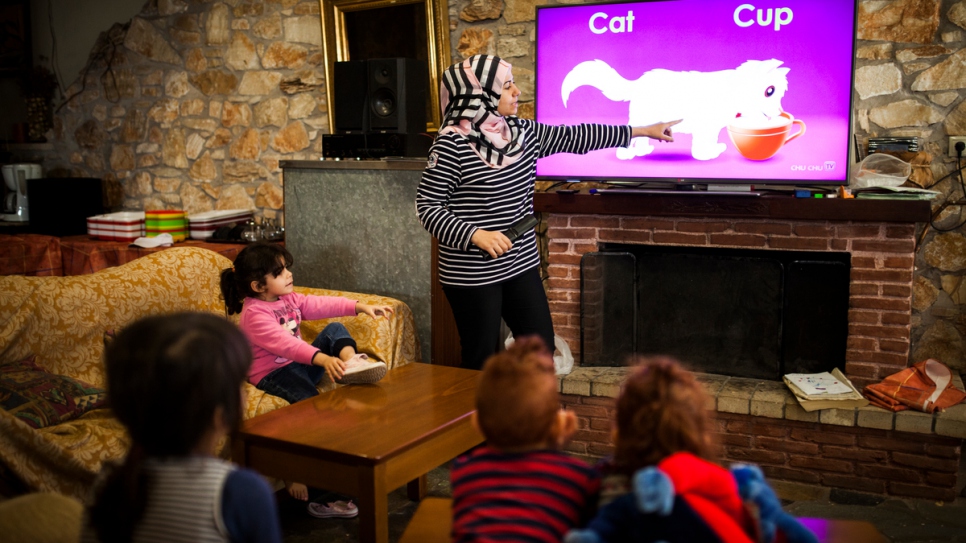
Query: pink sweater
{"points": [[272, 328]]}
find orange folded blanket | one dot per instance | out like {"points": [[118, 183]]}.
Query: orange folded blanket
{"points": [[926, 386]]}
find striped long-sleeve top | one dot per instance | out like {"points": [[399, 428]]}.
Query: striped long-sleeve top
{"points": [[459, 193], [196, 499], [525, 497]]}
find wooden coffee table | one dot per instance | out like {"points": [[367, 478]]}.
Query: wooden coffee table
{"points": [[367, 440]]}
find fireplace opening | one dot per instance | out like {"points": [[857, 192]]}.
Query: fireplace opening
{"points": [[738, 312]]}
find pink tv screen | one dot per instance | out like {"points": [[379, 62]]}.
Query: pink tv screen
{"points": [[763, 88]]}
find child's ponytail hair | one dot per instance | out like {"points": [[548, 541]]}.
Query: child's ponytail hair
{"points": [[121, 501], [203, 359], [662, 409], [251, 265]]}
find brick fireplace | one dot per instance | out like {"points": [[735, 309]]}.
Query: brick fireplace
{"points": [[880, 289], [866, 449]]}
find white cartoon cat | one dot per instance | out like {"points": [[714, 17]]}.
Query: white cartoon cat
{"points": [[705, 101]]}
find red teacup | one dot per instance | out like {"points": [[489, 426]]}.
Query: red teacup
{"points": [[760, 140]]}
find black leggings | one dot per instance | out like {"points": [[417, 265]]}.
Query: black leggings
{"points": [[521, 302]]}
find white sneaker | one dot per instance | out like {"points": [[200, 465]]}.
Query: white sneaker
{"points": [[359, 370], [339, 509]]}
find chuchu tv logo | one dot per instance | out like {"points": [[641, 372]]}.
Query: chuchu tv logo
{"points": [[828, 166], [745, 15]]}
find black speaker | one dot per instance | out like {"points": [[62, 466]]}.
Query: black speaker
{"points": [[350, 93], [380, 95], [397, 95]]}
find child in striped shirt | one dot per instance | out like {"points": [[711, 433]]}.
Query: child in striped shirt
{"points": [[175, 382], [520, 486]]}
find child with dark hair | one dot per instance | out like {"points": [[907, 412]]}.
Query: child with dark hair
{"points": [[170, 486], [260, 286], [520, 486], [664, 485]]}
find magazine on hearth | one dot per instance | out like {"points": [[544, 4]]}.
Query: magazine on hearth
{"points": [[826, 390]]}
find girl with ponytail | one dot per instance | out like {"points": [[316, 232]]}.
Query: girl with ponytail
{"points": [[175, 383]]}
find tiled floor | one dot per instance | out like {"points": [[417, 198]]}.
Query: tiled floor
{"points": [[900, 520]]}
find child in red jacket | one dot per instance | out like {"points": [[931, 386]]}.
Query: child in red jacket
{"points": [[664, 484]]}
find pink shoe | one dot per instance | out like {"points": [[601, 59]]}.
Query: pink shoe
{"points": [[339, 509], [360, 370]]}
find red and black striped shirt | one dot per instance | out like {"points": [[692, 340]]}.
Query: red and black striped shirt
{"points": [[533, 496]]}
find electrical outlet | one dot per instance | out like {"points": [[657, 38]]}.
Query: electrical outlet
{"points": [[952, 145]]}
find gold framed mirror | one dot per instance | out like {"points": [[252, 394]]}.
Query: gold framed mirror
{"points": [[340, 16]]}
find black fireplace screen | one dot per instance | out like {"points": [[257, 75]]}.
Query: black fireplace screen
{"points": [[746, 313]]}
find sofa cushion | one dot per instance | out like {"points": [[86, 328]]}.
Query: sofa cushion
{"points": [[42, 399]]}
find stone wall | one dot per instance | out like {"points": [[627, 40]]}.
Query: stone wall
{"points": [[909, 81], [192, 104]]}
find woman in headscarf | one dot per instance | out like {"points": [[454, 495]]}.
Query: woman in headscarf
{"points": [[477, 183]]}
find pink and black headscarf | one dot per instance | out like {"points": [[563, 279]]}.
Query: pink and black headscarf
{"points": [[469, 95]]}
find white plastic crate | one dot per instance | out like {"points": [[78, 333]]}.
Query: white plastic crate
{"points": [[203, 225], [120, 226]]}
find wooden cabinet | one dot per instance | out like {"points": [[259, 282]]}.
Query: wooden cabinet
{"points": [[446, 339]]}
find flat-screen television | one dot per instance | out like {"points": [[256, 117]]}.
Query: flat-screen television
{"points": [[763, 88]]}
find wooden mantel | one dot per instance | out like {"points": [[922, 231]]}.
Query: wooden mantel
{"points": [[774, 207]]}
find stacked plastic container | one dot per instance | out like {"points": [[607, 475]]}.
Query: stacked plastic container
{"points": [[203, 225], [121, 226], [163, 221], [130, 225]]}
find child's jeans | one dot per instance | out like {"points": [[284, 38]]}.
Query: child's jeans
{"points": [[295, 381]]}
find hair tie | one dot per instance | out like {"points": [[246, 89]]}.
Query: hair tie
{"points": [[232, 268]]}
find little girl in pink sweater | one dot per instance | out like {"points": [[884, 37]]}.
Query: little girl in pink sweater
{"points": [[260, 286]]}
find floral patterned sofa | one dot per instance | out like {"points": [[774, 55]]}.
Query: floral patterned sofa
{"points": [[60, 323]]}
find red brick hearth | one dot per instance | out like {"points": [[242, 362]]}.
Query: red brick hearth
{"points": [[867, 449], [852, 458]]}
